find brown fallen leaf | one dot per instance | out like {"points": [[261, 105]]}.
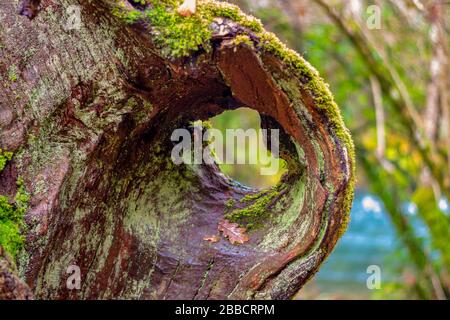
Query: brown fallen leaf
{"points": [[212, 239], [233, 232]]}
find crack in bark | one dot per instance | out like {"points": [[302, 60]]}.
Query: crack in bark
{"points": [[204, 278]]}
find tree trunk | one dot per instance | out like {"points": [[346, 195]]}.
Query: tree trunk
{"points": [[11, 286], [89, 114]]}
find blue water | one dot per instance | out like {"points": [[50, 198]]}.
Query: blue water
{"points": [[369, 240]]}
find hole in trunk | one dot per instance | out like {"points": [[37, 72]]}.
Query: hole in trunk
{"points": [[245, 156]]}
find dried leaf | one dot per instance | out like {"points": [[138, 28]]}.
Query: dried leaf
{"points": [[233, 232], [212, 239]]}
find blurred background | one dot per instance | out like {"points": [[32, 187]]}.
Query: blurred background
{"points": [[387, 63]]}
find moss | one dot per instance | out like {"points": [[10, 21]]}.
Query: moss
{"points": [[12, 73], [230, 204], [11, 214], [4, 157], [129, 16], [243, 39], [257, 207], [232, 12], [10, 238], [251, 197], [148, 105], [177, 36]]}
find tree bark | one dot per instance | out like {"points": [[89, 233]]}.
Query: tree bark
{"points": [[89, 113], [11, 286]]}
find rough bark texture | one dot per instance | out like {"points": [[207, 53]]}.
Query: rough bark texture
{"points": [[11, 286], [89, 114]]}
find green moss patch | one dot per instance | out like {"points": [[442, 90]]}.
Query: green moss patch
{"points": [[12, 73], [4, 157], [11, 214], [177, 36], [257, 207]]}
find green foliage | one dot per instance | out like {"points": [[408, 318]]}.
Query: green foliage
{"points": [[11, 214], [129, 16], [438, 224], [4, 157]]}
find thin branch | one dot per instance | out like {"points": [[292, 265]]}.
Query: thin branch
{"points": [[380, 124]]}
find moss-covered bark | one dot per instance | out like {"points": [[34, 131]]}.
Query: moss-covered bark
{"points": [[89, 116]]}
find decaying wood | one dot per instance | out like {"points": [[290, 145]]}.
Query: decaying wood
{"points": [[89, 120]]}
